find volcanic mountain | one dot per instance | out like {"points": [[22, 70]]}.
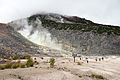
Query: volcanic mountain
{"points": [[58, 35]]}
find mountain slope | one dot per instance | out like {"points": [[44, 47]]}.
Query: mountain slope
{"points": [[13, 43], [70, 34]]}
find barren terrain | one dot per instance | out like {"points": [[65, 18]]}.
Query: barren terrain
{"points": [[66, 69]]}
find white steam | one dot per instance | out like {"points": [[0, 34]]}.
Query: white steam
{"points": [[37, 34]]}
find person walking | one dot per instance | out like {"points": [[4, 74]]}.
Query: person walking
{"points": [[102, 58], [80, 58], [99, 59], [87, 59], [74, 55], [96, 59]]}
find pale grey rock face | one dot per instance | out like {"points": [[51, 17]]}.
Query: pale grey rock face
{"points": [[88, 43]]}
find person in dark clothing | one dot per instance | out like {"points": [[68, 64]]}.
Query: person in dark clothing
{"points": [[80, 58], [87, 61], [74, 55], [102, 58], [96, 59]]}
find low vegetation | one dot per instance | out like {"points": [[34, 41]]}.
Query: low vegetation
{"points": [[66, 69], [24, 57], [97, 76], [18, 64], [8, 65], [29, 63], [52, 61], [78, 63], [15, 57], [14, 66], [2, 67], [22, 66]]}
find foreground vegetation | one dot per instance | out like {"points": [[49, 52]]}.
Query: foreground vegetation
{"points": [[18, 64], [97, 76], [52, 61]]}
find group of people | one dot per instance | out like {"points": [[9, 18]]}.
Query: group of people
{"points": [[96, 59], [99, 59], [85, 58]]}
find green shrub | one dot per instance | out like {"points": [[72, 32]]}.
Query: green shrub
{"points": [[52, 61], [78, 63], [97, 76], [2, 67], [29, 63], [22, 66], [93, 75], [15, 57], [8, 65], [22, 57], [14, 66]]}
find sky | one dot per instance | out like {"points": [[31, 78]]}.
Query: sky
{"points": [[98, 11]]}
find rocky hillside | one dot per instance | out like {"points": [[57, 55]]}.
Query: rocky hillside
{"points": [[68, 34], [13, 43]]}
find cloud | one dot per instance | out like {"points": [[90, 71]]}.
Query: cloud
{"points": [[99, 11]]}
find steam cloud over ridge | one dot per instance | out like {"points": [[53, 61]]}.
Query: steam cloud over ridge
{"points": [[99, 11], [38, 35]]}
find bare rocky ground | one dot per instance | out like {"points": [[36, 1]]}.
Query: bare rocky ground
{"points": [[66, 69]]}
